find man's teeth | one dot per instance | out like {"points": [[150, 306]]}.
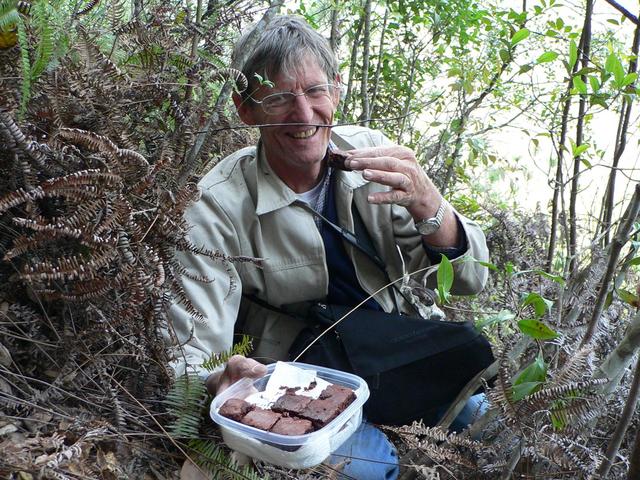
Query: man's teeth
{"points": [[305, 134]]}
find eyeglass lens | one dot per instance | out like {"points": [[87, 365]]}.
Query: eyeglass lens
{"points": [[317, 95]]}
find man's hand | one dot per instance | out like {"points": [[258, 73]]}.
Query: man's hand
{"points": [[237, 367], [397, 168]]}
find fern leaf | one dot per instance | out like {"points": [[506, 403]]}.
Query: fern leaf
{"points": [[44, 51], [26, 66], [87, 8], [185, 401], [8, 18], [216, 360], [216, 462]]}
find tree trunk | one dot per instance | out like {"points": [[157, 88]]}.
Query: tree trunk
{"points": [[575, 179], [334, 37], [558, 185], [364, 83], [621, 143], [410, 89], [623, 425], [352, 67], [224, 95], [622, 236], [376, 79]]}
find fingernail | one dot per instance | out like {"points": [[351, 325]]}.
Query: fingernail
{"points": [[366, 174], [353, 163]]}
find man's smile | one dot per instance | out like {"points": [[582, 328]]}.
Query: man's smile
{"points": [[304, 134]]}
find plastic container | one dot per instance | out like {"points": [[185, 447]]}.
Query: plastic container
{"points": [[299, 451]]}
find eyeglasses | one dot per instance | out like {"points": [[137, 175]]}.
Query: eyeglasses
{"points": [[283, 102]]}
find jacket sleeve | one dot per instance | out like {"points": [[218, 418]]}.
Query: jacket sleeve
{"points": [[469, 276], [218, 299]]}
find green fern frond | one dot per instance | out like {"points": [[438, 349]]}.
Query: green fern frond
{"points": [[214, 460], [26, 66], [185, 401], [41, 15], [216, 360], [9, 17]]}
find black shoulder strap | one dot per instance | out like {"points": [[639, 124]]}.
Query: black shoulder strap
{"points": [[360, 239]]}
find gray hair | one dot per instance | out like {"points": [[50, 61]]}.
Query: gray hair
{"points": [[285, 41]]}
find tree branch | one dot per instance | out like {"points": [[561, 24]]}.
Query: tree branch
{"points": [[621, 237], [624, 11], [623, 424]]}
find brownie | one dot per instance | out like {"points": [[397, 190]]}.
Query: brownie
{"points": [[338, 391], [292, 426], [332, 402], [337, 160], [235, 409], [261, 418], [291, 403]]}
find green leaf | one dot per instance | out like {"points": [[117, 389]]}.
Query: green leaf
{"points": [[586, 162], [519, 36], [536, 329], [594, 82], [530, 379], [629, 78], [445, 278], [505, 56], [556, 278], [536, 371], [522, 390], [580, 149], [547, 57], [629, 297], [540, 304], [579, 85], [490, 266], [635, 261], [525, 68], [614, 66], [573, 54], [501, 317]]}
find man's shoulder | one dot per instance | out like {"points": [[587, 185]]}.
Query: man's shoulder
{"points": [[347, 137], [229, 169]]}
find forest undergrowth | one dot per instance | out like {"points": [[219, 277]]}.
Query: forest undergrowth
{"points": [[107, 121]]}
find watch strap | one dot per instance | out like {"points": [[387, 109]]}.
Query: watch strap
{"points": [[436, 221]]}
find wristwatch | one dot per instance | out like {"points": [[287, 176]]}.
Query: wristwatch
{"points": [[431, 225]]}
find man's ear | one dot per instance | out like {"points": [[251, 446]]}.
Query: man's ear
{"points": [[243, 107]]}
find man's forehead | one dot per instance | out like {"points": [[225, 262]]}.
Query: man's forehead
{"points": [[307, 71]]}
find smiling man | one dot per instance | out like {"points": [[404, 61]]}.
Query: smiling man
{"points": [[261, 202]]}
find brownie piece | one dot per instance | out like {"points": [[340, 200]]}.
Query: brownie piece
{"points": [[235, 409], [292, 426], [338, 391], [332, 402], [261, 418], [291, 403], [336, 160]]}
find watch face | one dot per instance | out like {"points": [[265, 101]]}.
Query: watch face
{"points": [[428, 227]]}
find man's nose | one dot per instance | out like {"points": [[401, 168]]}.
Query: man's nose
{"points": [[302, 109]]}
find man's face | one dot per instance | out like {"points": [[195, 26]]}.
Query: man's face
{"points": [[294, 148]]}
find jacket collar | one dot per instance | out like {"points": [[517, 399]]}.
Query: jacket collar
{"points": [[274, 194]]}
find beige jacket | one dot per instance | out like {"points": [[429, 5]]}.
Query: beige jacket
{"points": [[245, 209]]}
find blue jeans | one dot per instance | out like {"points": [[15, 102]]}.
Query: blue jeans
{"points": [[369, 455], [366, 455]]}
